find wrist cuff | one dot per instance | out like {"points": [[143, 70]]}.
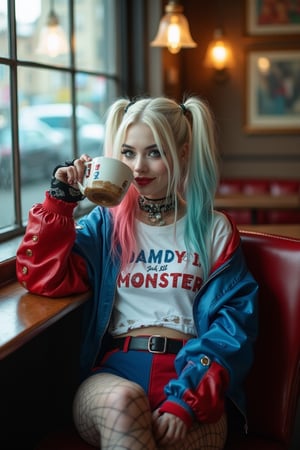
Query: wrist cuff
{"points": [[177, 410], [64, 192], [58, 206]]}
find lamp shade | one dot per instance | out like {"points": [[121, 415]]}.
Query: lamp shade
{"points": [[174, 31], [218, 54]]}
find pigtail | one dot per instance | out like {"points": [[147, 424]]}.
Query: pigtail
{"points": [[114, 118], [123, 236], [202, 179]]}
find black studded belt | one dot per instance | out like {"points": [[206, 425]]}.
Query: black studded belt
{"points": [[152, 344]]}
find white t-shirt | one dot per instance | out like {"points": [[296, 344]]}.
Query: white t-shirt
{"points": [[159, 287]]}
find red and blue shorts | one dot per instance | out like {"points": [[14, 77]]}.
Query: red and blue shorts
{"points": [[151, 371]]}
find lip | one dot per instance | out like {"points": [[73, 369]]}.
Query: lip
{"points": [[142, 181]]}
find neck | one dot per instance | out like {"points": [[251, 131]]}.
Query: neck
{"points": [[157, 210]]}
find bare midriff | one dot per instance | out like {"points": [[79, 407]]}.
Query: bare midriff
{"points": [[160, 331]]}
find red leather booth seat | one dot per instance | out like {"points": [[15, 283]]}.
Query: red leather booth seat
{"points": [[272, 387], [273, 384], [261, 186]]}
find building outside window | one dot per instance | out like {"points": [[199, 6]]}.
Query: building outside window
{"points": [[52, 99]]}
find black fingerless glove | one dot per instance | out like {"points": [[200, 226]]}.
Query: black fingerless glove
{"points": [[64, 191]]}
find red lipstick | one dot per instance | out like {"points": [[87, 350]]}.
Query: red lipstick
{"points": [[143, 181]]}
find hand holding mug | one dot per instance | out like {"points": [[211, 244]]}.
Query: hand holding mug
{"points": [[72, 173]]}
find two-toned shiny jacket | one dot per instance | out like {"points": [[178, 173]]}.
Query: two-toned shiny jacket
{"points": [[57, 258]]}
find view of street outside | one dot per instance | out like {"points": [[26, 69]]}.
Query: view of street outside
{"points": [[50, 124], [31, 194]]}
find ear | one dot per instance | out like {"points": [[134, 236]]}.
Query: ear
{"points": [[184, 152]]}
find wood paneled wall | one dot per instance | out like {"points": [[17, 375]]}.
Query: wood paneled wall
{"points": [[243, 154]]}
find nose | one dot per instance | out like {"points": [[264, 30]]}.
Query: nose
{"points": [[140, 164]]}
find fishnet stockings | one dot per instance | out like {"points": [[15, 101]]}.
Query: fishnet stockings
{"points": [[112, 413]]}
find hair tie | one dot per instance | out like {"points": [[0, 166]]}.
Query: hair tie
{"points": [[128, 106], [183, 108]]}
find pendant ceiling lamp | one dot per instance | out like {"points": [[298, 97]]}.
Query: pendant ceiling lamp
{"points": [[52, 40], [173, 31]]}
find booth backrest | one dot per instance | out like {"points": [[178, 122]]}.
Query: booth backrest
{"points": [[273, 384], [261, 186], [255, 186]]}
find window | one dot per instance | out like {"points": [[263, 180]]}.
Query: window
{"points": [[52, 102]]}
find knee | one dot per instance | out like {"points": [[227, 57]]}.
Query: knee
{"points": [[126, 406], [125, 396]]}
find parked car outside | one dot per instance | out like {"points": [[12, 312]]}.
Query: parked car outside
{"points": [[41, 148], [59, 116]]}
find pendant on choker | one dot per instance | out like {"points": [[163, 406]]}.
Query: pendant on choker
{"points": [[157, 208]]}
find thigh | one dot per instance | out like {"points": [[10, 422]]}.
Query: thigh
{"points": [[100, 395], [97, 390]]}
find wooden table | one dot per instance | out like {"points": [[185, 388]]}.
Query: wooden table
{"points": [[257, 202], [286, 230], [24, 315], [39, 363]]}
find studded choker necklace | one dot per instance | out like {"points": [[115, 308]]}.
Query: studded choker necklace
{"points": [[156, 208]]}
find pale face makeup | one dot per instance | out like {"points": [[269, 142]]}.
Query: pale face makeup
{"points": [[141, 154]]}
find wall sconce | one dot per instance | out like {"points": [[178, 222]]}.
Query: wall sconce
{"points": [[52, 40], [219, 54], [173, 31]]}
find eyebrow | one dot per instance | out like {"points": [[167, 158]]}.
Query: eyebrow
{"points": [[150, 147]]}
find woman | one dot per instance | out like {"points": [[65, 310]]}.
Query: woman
{"points": [[169, 330]]}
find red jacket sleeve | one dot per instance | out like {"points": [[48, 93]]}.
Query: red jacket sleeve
{"points": [[206, 402], [45, 262]]}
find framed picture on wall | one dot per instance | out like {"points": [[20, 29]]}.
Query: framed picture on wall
{"points": [[272, 91], [271, 17]]}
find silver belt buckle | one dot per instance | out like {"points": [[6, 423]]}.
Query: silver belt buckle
{"points": [[157, 351]]}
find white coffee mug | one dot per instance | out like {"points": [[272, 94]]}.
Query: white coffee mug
{"points": [[105, 181]]}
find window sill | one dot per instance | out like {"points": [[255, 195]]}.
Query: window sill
{"points": [[24, 315], [9, 248]]}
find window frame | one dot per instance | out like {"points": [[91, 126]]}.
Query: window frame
{"points": [[133, 56], [10, 236]]}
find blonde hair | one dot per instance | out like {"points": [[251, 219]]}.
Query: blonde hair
{"points": [[172, 126]]}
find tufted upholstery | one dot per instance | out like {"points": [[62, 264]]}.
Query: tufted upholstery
{"points": [[273, 384]]}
